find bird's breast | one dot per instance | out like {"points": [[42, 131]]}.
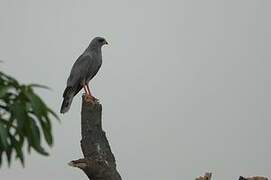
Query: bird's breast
{"points": [[94, 69]]}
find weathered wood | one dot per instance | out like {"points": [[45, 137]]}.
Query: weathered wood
{"points": [[98, 162], [207, 176], [253, 178]]}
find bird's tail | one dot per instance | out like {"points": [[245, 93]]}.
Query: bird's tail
{"points": [[67, 101]]}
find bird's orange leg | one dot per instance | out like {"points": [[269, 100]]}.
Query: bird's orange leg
{"points": [[94, 98], [88, 96], [89, 91], [84, 86]]}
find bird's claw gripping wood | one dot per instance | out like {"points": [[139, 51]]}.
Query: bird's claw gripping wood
{"points": [[90, 99]]}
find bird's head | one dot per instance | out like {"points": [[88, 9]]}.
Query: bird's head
{"points": [[98, 42]]}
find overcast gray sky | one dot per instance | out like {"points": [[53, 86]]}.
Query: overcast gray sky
{"points": [[185, 85]]}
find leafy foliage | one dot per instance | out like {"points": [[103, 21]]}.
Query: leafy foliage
{"points": [[24, 119]]}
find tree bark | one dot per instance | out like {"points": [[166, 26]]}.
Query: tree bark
{"points": [[98, 162], [207, 176]]}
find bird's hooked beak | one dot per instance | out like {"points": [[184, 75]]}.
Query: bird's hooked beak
{"points": [[106, 43]]}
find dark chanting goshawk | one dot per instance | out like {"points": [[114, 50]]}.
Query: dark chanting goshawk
{"points": [[83, 70]]}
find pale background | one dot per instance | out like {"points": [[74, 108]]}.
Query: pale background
{"points": [[185, 85]]}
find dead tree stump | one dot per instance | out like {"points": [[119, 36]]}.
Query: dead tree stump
{"points": [[253, 178], [98, 162], [207, 176]]}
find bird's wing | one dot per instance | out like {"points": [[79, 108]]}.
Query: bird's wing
{"points": [[79, 74], [80, 70]]}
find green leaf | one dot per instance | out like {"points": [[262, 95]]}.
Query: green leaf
{"points": [[3, 90], [3, 136], [41, 150], [53, 113], [18, 149], [46, 128], [35, 133], [1, 152], [9, 154], [39, 86], [19, 113], [36, 139], [10, 80], [37, 104]]}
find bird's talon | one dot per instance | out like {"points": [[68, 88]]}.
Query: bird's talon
{"points": [[89, 99]]}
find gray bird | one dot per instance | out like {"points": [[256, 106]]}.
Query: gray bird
{"points": [[83, 70]]}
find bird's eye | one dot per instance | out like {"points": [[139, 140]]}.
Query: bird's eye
{"points": [[101, 40]]}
